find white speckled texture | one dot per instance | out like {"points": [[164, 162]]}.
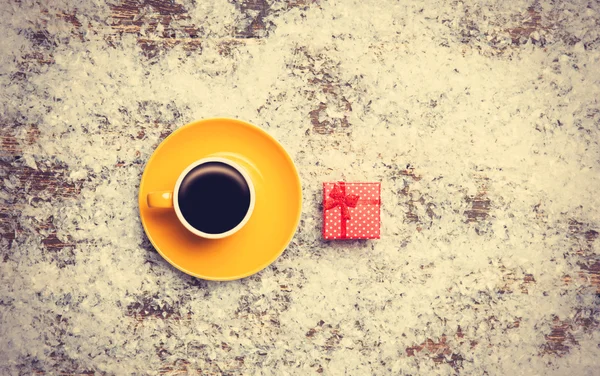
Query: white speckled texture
{"points": [[481, 121]]}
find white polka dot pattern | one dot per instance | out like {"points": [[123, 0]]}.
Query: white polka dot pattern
{"points": [[364, 222]]}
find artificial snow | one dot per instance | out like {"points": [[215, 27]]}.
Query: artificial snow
{"points": [[434, 99]]}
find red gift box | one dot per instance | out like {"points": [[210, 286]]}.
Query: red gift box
{"points": [[351, 210]]}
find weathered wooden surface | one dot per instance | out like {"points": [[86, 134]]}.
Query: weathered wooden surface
{"points": [[131, 17]]}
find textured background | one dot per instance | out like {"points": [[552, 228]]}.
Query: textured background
{"points": [[481, 120]]}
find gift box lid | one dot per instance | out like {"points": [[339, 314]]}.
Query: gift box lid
{"points": [[351, 210]]}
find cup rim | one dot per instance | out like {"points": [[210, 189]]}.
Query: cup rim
{"points": [[197, 163]]}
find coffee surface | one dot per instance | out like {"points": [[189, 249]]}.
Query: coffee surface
{"points": [[214, 197]]}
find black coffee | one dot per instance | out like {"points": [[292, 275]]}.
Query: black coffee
{"points": [[214, 197]]}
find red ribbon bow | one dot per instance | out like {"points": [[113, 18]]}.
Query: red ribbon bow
{"points": [[339, 198]]}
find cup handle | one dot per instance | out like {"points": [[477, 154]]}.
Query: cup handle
{"points": [[160, 199]]}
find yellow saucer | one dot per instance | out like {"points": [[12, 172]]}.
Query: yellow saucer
{"points": [[276, 213]]}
